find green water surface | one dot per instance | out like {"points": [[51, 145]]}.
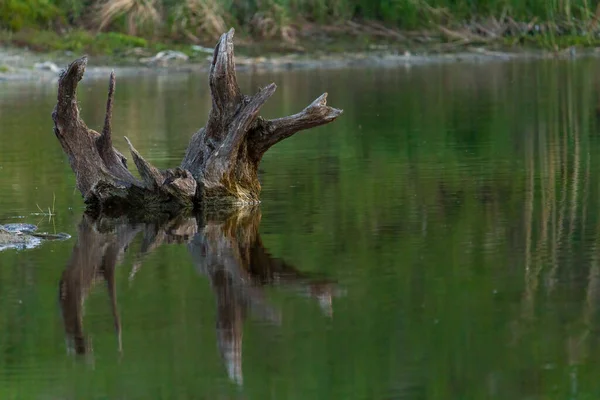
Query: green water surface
{"points": [[439, 241]]}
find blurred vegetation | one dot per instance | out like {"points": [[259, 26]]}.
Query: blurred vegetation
{"points": [[290, 21], [76, 40]]}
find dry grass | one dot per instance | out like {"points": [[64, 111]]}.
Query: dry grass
{"points": [[273, 22], [138, 13], [456, 22], [200, 19]]}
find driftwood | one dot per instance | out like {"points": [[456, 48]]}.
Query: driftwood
{"points": [[226, 248], [221, 161]]}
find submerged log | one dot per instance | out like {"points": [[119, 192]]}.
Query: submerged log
{"points": [[221, 161]]}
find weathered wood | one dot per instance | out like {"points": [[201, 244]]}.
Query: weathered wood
{"points": [[101, 170], [221, 161]]}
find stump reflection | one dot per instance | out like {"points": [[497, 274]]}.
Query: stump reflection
{"points": [[229, 251], [226, 248], [98, 250]]}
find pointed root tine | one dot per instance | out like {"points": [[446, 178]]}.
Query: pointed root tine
{"points": [[104, 142], [150, 175], [107, 130], [315, 114], [239, 129], [319, 106], [222, 80], [251, 109], [66, 107]]}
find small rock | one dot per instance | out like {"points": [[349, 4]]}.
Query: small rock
{"points": [[202, 49], [164, 57], [18, 228], [247, 61], [378, 47], [137, 51], [47, 66]]}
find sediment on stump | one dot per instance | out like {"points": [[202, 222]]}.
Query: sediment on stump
{"points": [[221, 162]]}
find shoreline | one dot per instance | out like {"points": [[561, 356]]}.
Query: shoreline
{"points": [[18, 65]]}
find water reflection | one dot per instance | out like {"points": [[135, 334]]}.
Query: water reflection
{"points": [[95, 256], [229, 251], [226, 248]]}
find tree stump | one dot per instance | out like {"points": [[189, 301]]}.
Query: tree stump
{"points": [[221, 162]]}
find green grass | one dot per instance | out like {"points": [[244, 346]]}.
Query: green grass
{"points": [[109, 43]]}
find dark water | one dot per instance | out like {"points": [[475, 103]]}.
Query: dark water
{"points": [[440, 241]]}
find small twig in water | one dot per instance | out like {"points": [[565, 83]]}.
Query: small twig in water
{"points": [[50, 213]]}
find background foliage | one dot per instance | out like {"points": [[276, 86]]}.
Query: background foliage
{"points": [[203, 20]]}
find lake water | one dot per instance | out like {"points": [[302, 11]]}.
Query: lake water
{"points": [[439, 241]]}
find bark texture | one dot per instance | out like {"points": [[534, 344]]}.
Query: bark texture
{"points": [[221, 161]]}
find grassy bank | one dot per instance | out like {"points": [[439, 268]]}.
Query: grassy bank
{"points": [[114, 26]]}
